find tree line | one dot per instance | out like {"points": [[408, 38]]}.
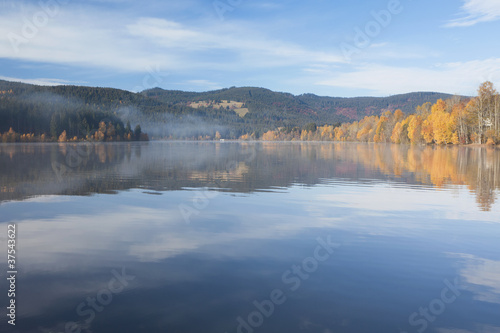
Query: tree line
{"points": [[34, 113], [31, 113], [453, 121], [105, 132]]}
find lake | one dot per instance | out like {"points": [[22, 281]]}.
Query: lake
{"points": [[248, 237]]}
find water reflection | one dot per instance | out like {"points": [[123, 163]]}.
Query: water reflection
{"points": [[405, 218], [40, 169]]}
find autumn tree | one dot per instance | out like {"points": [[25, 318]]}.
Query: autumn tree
{"points": [[396, 133], [496, 117], [110, 131], [100, 134], [439, 127], [367, 129], [415, 129], [341, 132], [62, 137], [462, 122], [482, 110], [380, 135], [424, 110], [268, 136], [10, 136], [352, 131], [398, 115], [326, 132], [400, 131]]}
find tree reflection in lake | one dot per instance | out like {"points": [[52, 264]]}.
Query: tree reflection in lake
{"points": [[405, 218], [81, 169]]}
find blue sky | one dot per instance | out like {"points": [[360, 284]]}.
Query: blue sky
{"points": [[331, 48]]}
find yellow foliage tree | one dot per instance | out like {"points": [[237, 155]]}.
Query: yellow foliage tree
{"points": [[380, 131], [398, 115], [62, 137], [415, 129], [396, 133], [303, 135], [339, 133], [439, 126], [268, 136]]}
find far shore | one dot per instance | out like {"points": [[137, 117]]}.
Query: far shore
{"points": [[469, 145]]}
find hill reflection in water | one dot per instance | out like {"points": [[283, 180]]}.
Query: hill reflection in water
{"points": [[28, 170]]}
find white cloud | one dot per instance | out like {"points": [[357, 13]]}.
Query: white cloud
{"points": [[376, 45], [482, 277], [265, 5], [387, 51], [87, 39], [125, 41], [459, 77], [90, 38], [248, 47], [205, 84], [39, 81], [171, 238], [477, 11]]}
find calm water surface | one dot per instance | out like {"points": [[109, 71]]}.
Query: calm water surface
{"points": [[252, 237]]}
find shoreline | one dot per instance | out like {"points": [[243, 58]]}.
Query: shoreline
{"points": [[470, 145]]}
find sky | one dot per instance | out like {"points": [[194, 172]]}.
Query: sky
{"points": [[325, 47]]}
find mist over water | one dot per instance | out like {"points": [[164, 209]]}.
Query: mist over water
{"points": [[168, 125]]}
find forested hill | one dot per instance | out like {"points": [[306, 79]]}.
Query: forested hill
{"points": [[232, 112], [265, 102]]}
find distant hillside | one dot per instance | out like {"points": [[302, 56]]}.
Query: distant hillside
{"points": [[163, 113], [306, 107], [359, 107]]}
